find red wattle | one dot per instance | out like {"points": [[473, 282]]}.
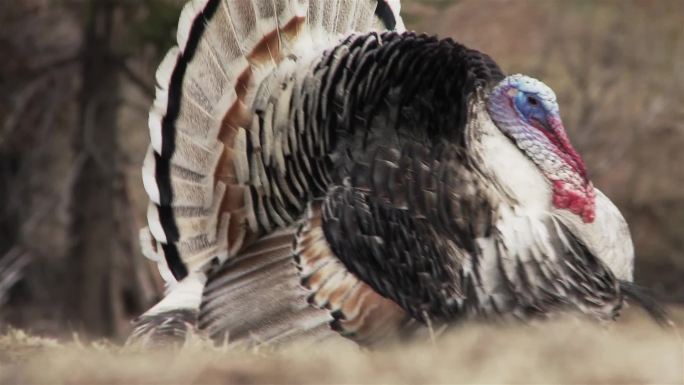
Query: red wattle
{"points": [[580, 202]]}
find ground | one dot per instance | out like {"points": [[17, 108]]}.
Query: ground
{"points": [[632, 350]]}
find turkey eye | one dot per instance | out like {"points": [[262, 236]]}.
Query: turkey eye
{"points": [[532, 101]]}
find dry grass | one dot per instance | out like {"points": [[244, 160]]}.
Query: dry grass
{"points": [[565, 351]]}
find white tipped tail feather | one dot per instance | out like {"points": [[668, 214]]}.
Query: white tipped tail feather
{"points": [[173, 319], [202, 113], [196, 172]]}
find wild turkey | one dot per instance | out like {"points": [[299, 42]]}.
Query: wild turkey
{"points": [[316, 171]]}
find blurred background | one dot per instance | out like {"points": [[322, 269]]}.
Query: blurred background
{"points": [[77, 79]]}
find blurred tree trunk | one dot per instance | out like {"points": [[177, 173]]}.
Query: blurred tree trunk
{"points": [[74, 89], [95, 146], [103, 255]]}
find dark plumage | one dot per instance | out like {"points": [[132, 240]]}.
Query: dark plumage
{"points": [[311, 177]]}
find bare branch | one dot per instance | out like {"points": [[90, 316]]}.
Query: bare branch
{"points": [[12, 265]]}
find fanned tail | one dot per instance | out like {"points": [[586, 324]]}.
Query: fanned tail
{"points": [[196, 172], [201, 171]]}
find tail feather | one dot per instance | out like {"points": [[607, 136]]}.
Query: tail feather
{"points": [[197, 173], [314, 22], [256, 297], [364, 17], [346, 9], [164, 329], [388, 13], [642, 298], [174, 318], [329, 16]]}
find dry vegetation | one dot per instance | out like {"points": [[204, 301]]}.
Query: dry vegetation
{"points": [[567, 351]]}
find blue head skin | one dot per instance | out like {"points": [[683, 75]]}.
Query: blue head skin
{"points": [[536, 102], [526, 110]]}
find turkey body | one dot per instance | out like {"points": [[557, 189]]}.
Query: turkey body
{"points": [[312, 176]]}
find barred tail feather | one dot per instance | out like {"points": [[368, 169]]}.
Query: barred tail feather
{"points": [[197, 173], [172, 319]]}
